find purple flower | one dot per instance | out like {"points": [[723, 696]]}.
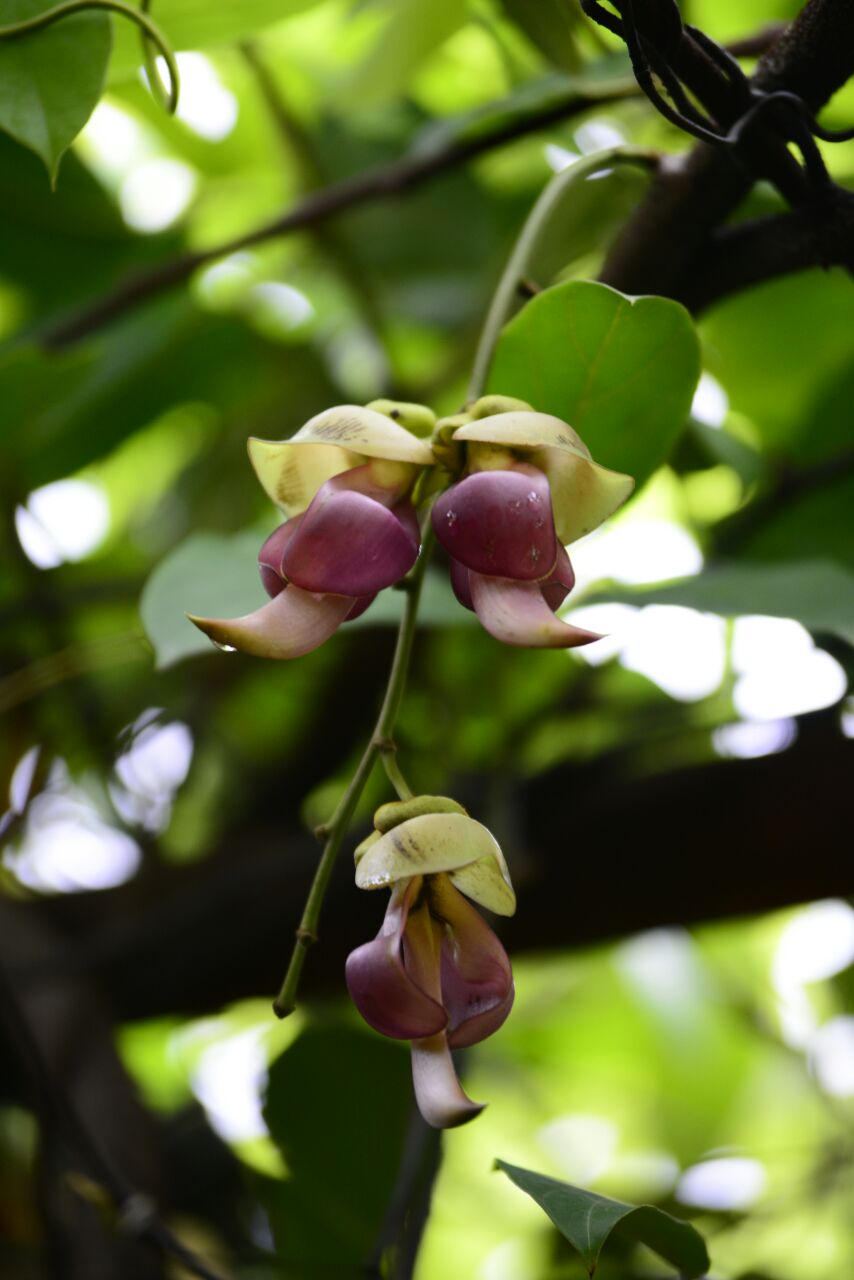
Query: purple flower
{"points": [[531, 486], [435, 974], [343, 482]]}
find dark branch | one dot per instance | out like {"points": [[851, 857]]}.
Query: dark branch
{"points": [[760, 249], [381, 183], [666, 241], [156, 948]]}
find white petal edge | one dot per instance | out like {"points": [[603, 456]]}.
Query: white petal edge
{"points": [[516, 613], [438, 1092], [292, 624]]}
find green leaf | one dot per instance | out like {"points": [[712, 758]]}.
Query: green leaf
{"points": [[198, 24], [51, 80], [338, 1103], [587, 1220], [210, 574], [551, 26], [818, 593], [413, 30], [214, 575], [621, 371]]}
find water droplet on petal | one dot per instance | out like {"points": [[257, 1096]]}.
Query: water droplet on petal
{"points": [[533, 498], [225, 648], [450, 518]]}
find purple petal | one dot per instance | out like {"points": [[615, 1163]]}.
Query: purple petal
{"points": [[348, 544], [289, 626], [560, 582], [270, 556], [516, 613], [363, 603], [460, 584], [499, 523], [380, 985], [477, 981], [440, 1099]]}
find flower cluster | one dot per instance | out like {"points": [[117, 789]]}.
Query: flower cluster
{"points": [[506, 488], [514, 487], [435, 974]]}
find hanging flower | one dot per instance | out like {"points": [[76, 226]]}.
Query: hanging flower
{"points": [[530, 486], [435, 974], [343, 484]]}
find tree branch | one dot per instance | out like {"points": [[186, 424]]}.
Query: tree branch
{"points": [[156, 948], [760, 249], [381, 183], [665, 243]]}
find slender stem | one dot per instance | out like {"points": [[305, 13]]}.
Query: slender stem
{"points": [[379, 743], [531, 234], [388, 754], [150, 31]]}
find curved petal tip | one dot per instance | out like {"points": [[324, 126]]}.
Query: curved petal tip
{"points": [[292, 624], [516, 613], [438, 1093]]}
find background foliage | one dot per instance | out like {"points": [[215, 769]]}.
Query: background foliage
{"points": [[684, 1029]]}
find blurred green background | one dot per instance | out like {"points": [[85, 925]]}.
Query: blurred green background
{"points": [[673, 800]]}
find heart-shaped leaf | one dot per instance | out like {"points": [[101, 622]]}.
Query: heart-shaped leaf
{"points": [[51, 79], [621, 371], [587, 1220]]}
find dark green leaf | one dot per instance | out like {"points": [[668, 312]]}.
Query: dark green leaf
{"points": [[621, 371], [819, 594], [337, 1106], [550, 25], [51, 79], [587, 1220]]}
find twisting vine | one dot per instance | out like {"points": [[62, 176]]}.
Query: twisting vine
{"points": [[152, 38]]}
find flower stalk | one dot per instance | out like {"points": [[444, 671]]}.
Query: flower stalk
{"points": [[380, 744]]}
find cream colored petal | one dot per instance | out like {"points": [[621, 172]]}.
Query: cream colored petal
{"points": [[292, 471], [438, 1092], [441, 842], [290, 625], [291, 474], [524, 430], [372, 434], [584, 493]]}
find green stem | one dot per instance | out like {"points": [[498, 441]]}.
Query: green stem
{"points": [[380, 743], [150, 32], [520, 259]]}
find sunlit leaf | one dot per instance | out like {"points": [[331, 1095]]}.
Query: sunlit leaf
{"points": [[622, 371], [587, 1220], [196, 24]]}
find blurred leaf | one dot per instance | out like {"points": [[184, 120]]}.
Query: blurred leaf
{"points": [[209, 574], [815, 526], [774, 346], [819, 594], [412, 31], [215, 575], [338, 1103], [587, 1220], [550, 25], [196, 24], [51, 80], [621, 371]]}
